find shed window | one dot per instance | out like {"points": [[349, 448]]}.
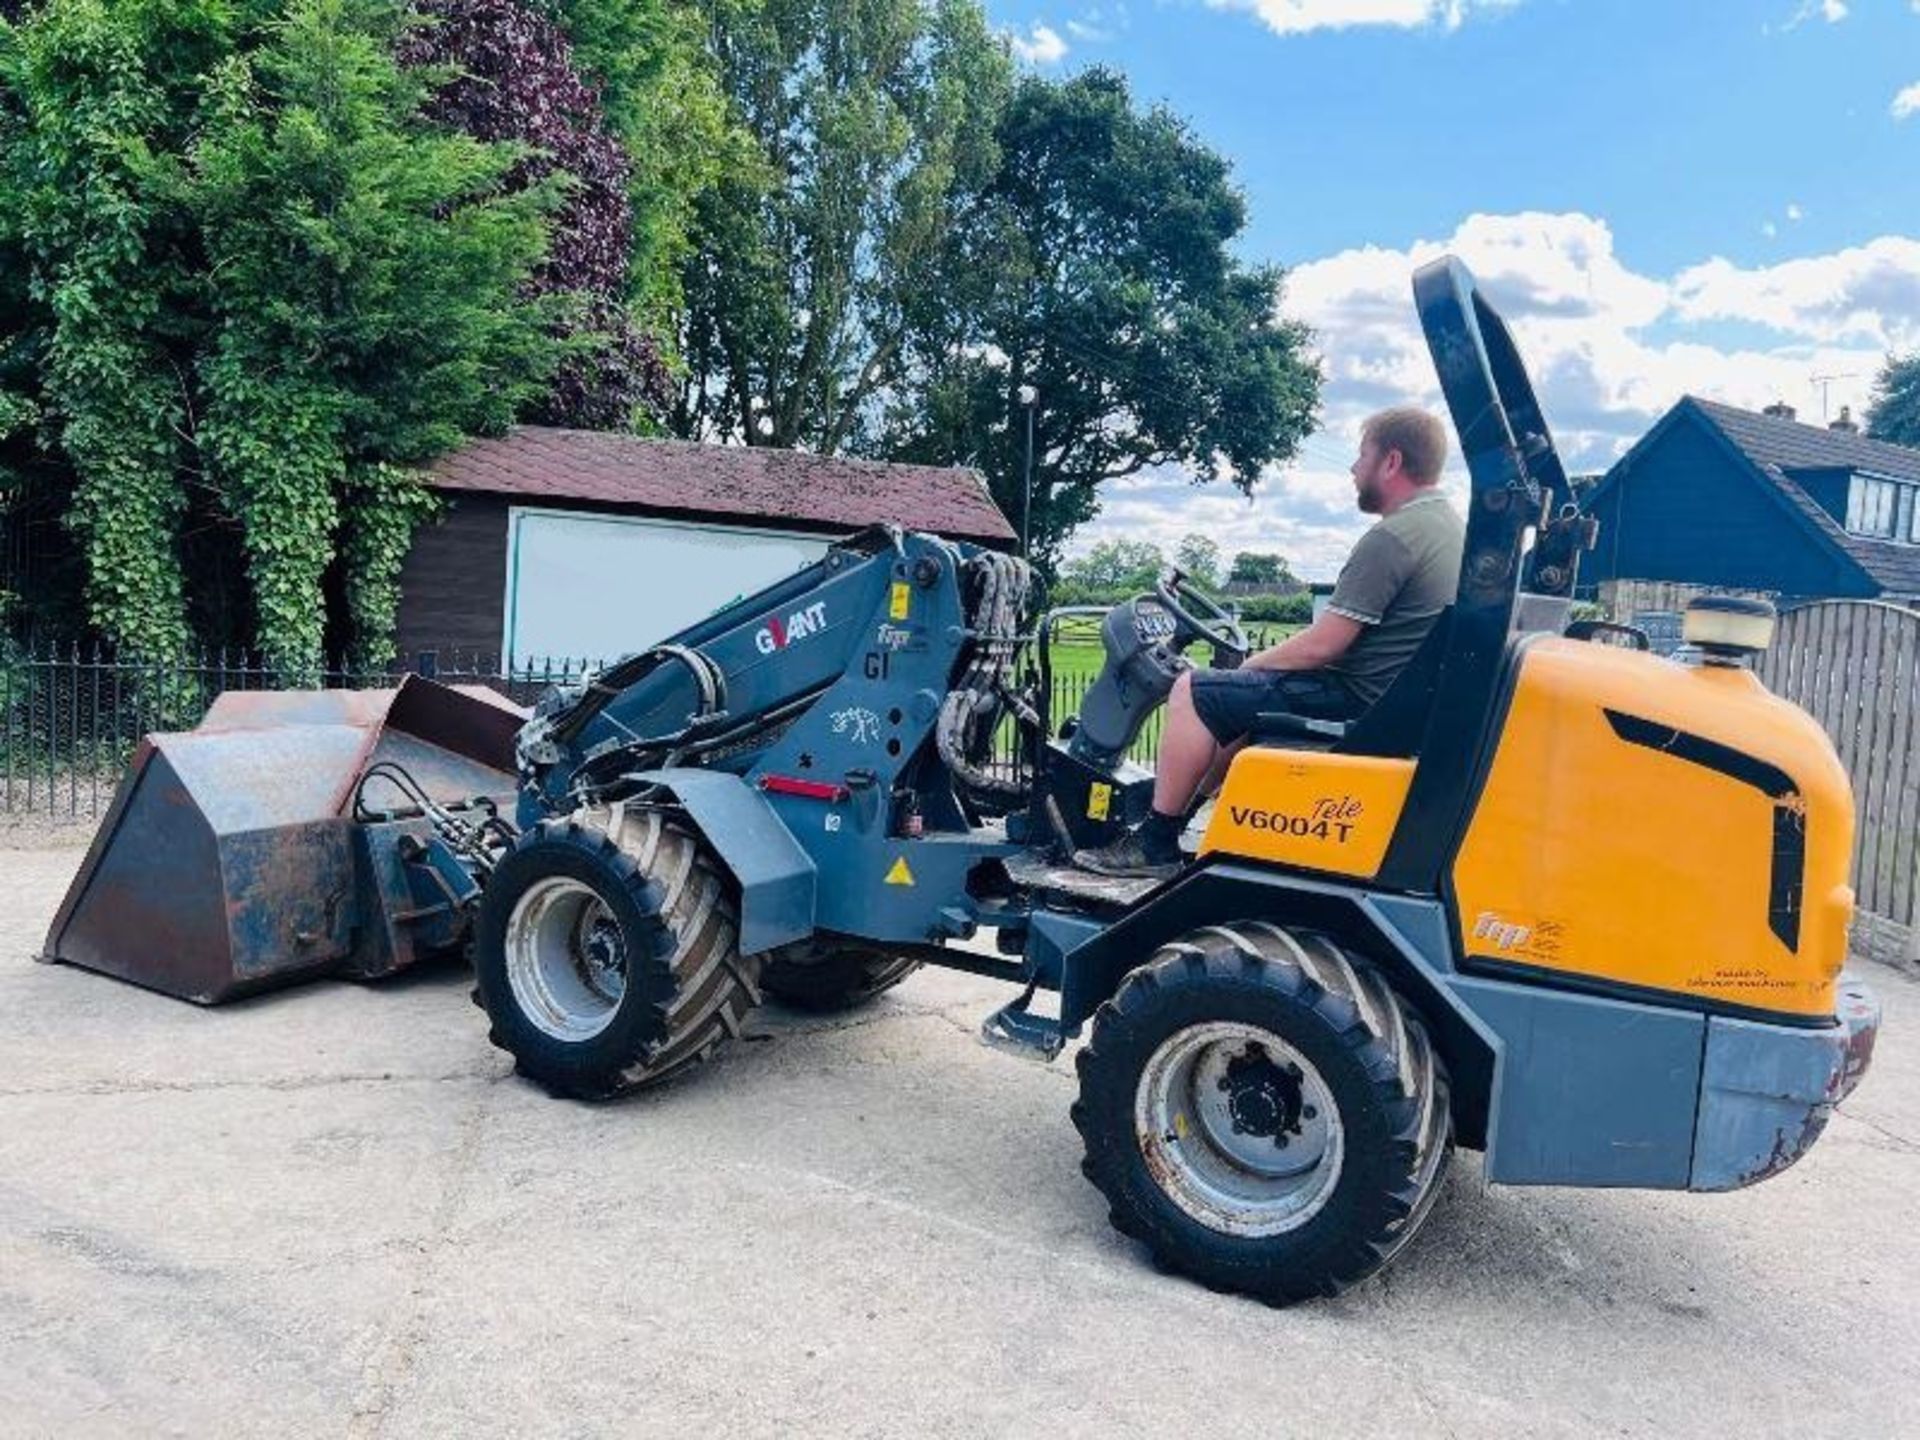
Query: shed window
{"points": [[1873, 506]]}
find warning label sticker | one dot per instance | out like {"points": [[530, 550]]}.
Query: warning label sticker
{"points": [[900, 874], [900, 601]]}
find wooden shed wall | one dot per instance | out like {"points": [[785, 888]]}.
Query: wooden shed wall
{"points": [[453, 585]]}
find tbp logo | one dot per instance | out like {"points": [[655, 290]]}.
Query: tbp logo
{"points": [[777, 634], [1504, 934]]}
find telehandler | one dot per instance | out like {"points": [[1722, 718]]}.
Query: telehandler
{"points": [[1552, 897]]}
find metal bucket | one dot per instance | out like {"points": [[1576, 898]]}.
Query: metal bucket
{"points": [[230, 861]]}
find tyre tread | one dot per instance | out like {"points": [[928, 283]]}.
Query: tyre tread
{"points": [[1358, 1006], [837, 980], [707, 988]]}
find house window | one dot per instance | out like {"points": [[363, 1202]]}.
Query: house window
{"points": [[1873, 506]]}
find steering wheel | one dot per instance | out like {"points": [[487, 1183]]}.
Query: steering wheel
{"points": [[1213, 623]]}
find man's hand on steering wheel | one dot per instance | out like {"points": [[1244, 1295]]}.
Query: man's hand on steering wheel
{"points": [[1204, 617]]}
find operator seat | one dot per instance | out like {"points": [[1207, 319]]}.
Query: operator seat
{"points": [[1390, 728]]}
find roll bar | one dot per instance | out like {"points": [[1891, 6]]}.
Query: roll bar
{"points": [[1504, 439]]}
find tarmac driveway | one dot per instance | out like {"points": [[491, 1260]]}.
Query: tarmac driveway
{"points": [[336, 1212]]}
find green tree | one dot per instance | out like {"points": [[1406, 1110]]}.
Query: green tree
{"points": [[1199, 557], [1113, 568], [16, 416], [94, 125], [817, 255], [1895, 411], [1253, 567], [254, 280], [363, 277], [1098, 269], [660, 91], [22, 322]]}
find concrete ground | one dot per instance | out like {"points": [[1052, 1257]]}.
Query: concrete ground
{"points": [[335, 1212]]}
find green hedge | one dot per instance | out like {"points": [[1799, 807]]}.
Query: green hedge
{"points": [[1296, 609]]}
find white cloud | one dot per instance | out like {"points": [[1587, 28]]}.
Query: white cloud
{"points": [[1610, 348], [1794, 212], [1041, 46], [1867, 295], [1907, 102], [1769, 229], [1297, 17], [1831, 11]]}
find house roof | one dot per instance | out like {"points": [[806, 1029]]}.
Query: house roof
{"points": [[1777, 446], [1795, 445], [1774, 448], [733, 482]]}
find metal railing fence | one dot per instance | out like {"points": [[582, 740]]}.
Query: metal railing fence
{"points": [[70, 715]]}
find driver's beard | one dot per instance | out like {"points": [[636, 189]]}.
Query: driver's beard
{"points": [[1367, 496]]}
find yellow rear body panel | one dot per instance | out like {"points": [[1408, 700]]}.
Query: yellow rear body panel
{"points": [[1300, 807], [1650, 861]]}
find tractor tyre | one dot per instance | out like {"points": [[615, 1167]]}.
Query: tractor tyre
{"points": [[805, 979], [608, 953], [1264, 1112]]}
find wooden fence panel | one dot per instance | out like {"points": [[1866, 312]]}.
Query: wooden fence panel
{"points": [[1854, 665], [1904, 814]]}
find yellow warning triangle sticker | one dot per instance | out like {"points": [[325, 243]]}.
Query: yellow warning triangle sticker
{"points": [[900, 874]]}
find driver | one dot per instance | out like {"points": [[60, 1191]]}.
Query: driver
{"points": [[1400, 576]]}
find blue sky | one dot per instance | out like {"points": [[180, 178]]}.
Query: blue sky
{"points": [[1718, 197]]}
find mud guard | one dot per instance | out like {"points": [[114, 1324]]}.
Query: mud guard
{"points": [[778, 880], [1405, 935]]}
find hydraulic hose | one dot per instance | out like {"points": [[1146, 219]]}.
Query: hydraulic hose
{"points": [[983, 691]]}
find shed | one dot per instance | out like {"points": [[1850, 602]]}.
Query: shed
{"points": [[1715, 497], [580, 543]]}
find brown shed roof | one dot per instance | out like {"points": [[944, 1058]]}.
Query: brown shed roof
{"points": [[735, 482]]}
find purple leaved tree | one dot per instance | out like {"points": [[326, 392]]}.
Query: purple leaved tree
{"points": [[512, 77]]}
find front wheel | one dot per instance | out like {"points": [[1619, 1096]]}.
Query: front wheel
{"points": [[608, 953], [1264, 1112]]}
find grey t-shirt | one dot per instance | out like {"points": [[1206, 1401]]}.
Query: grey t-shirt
{"points": [[1400, 576]]}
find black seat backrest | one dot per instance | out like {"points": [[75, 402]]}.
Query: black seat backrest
{"points": [[1393, 725]]}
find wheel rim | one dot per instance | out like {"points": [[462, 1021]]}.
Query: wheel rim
{"points": [[566, 959], [1239, 1129]]}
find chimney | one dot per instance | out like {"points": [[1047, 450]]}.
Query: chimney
{"points": [[1846, 422], [1779, 410]]}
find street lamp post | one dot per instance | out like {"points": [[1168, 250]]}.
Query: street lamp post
{"points": [[1028, 396]]}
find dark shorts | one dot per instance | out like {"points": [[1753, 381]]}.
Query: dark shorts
{"points": [[1228, 701]]}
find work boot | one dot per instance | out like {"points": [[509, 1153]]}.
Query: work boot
{"points": [[1133, 856]]}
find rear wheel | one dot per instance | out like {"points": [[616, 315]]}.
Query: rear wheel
{"points": [[1264, 1112], [607, 953], [809, 979]]}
